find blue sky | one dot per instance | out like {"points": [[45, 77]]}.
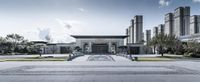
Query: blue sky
{"points": [[36, 19]]}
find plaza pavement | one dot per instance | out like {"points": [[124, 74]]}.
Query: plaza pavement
{"points": [[101, 58], [100, 71]]}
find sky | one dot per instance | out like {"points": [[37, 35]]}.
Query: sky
{"points": [[58, 19]]}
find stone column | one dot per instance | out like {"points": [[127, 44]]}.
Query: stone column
{"points": [[90, 47], [109, 47]]}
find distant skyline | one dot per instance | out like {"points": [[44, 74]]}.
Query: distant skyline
{"points": [[34, 19]]}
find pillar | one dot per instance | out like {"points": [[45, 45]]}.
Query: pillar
{"points": [[109, 47], [90, 47]]}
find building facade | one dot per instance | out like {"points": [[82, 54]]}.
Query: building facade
{"points": [[54, 48], [182, 21], [161, 29], [59, 48], [99, 43], [169, 24], [138, 29], [195, 24], [135, 30], [155, 31], [148, 36], [135, 39], [127, 33]]}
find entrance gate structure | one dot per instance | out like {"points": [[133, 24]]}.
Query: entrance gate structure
{"points": [[99, 43]]}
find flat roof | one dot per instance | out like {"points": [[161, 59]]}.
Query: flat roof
{"points": [[99, 36], [44, 42]]}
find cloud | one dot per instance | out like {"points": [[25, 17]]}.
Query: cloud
{"points": [[69, 24], [43, 33], [163, 3], [196, 1], [81, 9], [65, 24], [54, 34], [69, 27]]}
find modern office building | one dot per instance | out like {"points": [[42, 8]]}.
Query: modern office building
{"points": [[127, 33], [169, 24], [181, 21], [187, 20], [148, 36], [182, 25], [195, 24], [155, 31], [130, 32], [161, 29], [138, 29], [135, 39], [135, 30]]}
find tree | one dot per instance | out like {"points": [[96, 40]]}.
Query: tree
{"points": [[15, 40], [163, 41], [2, 44], [53, 48], [30, 47], [24, 46], [178, 48], [37, 49], [193, 48]]}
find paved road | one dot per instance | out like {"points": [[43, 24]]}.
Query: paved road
{"points": [[100, 71]]}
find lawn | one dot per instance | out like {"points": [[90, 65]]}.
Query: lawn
{"points": [[161, 58], [154, 59], [63, 58]]}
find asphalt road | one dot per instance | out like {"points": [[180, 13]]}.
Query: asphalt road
{"points": [[100, 71]]}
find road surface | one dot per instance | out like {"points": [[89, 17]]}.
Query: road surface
{"points": [[100, 71]]}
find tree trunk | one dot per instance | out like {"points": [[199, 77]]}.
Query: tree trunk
{"points": [[162, 54], [40, 54], [161, 50]]}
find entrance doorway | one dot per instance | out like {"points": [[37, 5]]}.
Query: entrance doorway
{"points": [[134, 50], [100, 48]]}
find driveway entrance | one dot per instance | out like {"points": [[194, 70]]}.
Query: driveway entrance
{"points": [[100, 48]]}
